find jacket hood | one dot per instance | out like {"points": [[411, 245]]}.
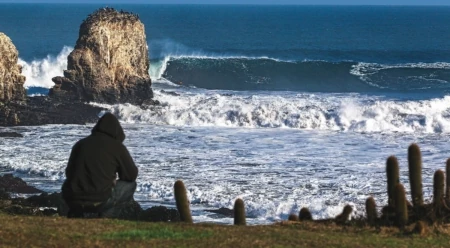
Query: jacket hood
{"points": [[110, 126]]}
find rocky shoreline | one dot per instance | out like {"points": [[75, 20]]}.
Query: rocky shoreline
{"points": [[42, 110], [40, 203]]}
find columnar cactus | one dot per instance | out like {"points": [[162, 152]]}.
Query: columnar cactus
{"points": [[393, 178], [304, 214], [438, 191], [371, 211], [182, 201], [345, 215], [293, 217], [401, 211], [447, 181], [415, 174], [239, 212]]}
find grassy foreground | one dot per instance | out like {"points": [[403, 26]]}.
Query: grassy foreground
{"points": [[28, 231]]}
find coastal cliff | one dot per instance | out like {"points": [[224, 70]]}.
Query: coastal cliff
{"points": [[110, 61]]}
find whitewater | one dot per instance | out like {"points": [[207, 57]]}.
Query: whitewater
{"points": [[277, 150]]}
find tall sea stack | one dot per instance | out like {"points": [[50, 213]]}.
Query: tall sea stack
{"points": [[11, 81], [110, 61]]}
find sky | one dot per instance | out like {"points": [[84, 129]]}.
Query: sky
{"points": [[300, 2]]}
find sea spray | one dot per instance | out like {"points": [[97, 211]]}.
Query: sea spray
{"points": [[39, 72]]}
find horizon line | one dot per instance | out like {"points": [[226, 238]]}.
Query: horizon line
{"points": [[229, 4]]}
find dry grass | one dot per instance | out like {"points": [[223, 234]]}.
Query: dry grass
{"points": [[27, 231]]}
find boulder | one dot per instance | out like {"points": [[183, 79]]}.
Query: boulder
{"points": [[222, 211], [110, 61], [9, 183], [160, 214]]}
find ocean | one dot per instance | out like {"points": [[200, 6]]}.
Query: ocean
{"points": [[283, 106]]}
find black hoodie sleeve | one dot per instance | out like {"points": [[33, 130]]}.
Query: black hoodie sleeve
{"points": [[127, 169], [71, 164]]}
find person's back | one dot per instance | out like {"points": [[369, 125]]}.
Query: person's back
{"points": [[93, 166]]}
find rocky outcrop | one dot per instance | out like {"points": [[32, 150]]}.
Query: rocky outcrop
{"points": [[45, 110], [11, 80], [110, 61], [17, 109], [9, 183], [46, 204]]}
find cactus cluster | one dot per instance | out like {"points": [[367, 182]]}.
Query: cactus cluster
{"points": [[398, 211]]}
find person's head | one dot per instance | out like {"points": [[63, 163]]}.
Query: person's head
{"points": [[108, 124]]}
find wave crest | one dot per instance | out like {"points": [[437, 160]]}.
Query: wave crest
{"points": [[263, 73]]}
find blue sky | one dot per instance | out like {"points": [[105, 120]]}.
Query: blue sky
{"points": [[309, 2]]}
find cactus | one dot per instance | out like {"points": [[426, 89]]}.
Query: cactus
{"points": [[304, 214], [447, 181], [293, 217], [371, 211], [401, 211], [415, 175], [182, 201], [239, 212], [393, 178], [344, 216], [420, 228], [438, 191]]}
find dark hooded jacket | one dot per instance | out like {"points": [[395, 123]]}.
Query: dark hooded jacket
{"points": [[95, 162]]}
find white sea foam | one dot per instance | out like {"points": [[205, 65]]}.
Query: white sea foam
{"points": [[336, 112], [39, 73]]}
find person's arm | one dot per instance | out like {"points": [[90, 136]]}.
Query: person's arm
{"points": [[127, 169], [71, 164]]}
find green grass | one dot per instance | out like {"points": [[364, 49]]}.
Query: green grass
{"points": [[28, 231], [166, 232]]}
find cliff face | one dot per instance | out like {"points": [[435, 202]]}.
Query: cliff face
{"points": [[109, 63], [11, 81]]}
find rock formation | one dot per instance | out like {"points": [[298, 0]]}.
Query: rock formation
{"points": [[110, 61], [18, 109], [11, 81]]}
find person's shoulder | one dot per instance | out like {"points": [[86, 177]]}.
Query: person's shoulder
{"points": [[83, 141]]}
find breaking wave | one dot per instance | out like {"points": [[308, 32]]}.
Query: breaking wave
{"points": [[336, 112], [261, 73]]}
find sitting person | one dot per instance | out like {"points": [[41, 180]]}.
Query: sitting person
{"points": [[94, 163]]}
